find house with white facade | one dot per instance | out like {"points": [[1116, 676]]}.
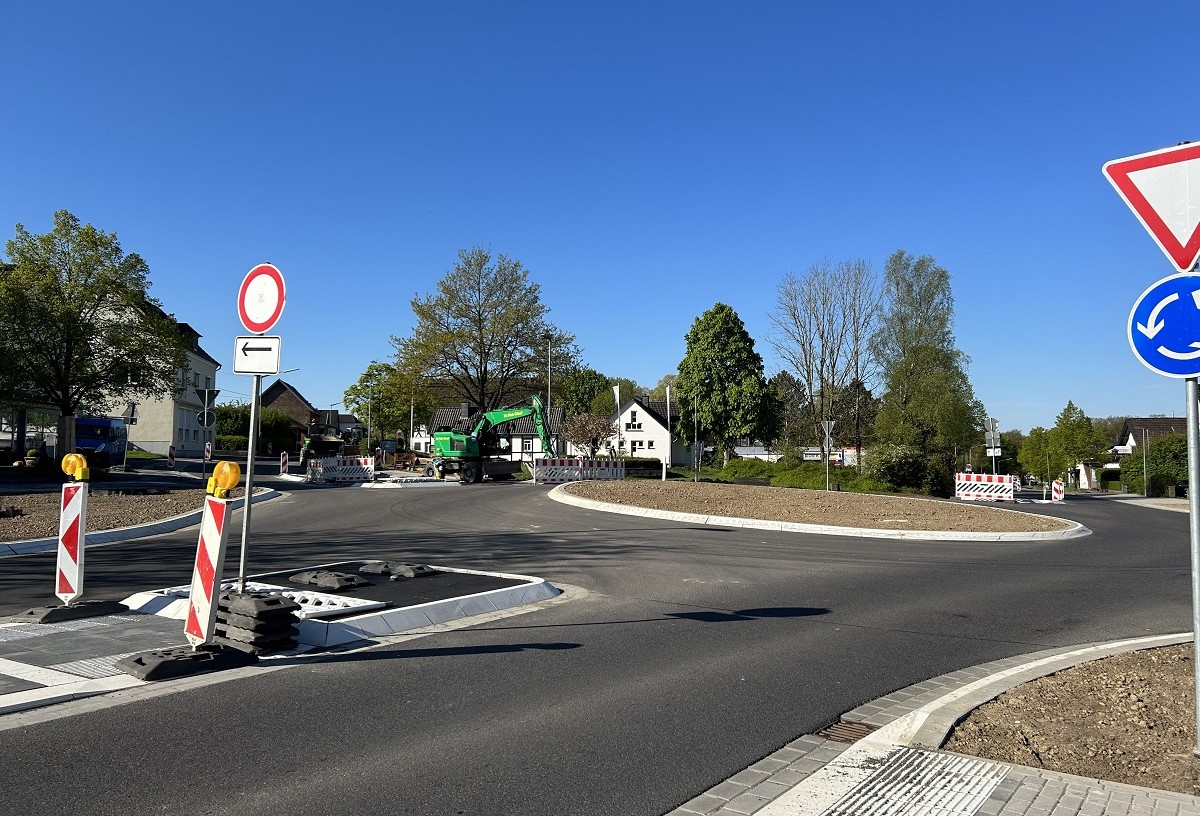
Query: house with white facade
{"points": [[643, 430], [173, 420]]}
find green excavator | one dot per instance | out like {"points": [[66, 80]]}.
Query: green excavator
{"points": [[476, 452]]}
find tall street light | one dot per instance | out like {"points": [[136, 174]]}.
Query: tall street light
{"points": [[549, 338]]}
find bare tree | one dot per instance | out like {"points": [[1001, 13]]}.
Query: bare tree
{"points": [[588, 431], [822, 325]]}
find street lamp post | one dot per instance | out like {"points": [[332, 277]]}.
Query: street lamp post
{"points": [[549, 338]]}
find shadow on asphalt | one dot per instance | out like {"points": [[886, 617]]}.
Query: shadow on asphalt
{"points": [[711, 616], [446, 651]]}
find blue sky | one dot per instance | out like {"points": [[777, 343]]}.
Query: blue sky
{"points": [[643, 160]]}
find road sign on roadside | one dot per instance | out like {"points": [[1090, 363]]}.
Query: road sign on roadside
{"points": [[261, 298], [208, 451], [256, 355], [206, 418], [1164, 327], [1163, 190]]}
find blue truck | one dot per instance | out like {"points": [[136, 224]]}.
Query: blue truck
{"points": [[103, 440]]}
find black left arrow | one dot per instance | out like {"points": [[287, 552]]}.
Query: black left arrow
{"points": [[247, 348]]}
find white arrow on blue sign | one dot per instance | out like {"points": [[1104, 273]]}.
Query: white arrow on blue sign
{"points": [[1164, 326]]}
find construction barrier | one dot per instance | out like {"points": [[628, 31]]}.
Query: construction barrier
{"points": [[560, 471], [983, 487], [1058, 491], [341, 469], [206, 575], [72, 527]]}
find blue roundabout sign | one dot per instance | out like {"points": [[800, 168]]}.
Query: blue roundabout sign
{"points": [[1164, 326]]}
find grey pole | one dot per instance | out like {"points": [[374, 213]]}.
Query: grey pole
{"points": [[1193, 434], [241, 581]]}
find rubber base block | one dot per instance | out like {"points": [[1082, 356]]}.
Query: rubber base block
{"points": [[182, 661]]}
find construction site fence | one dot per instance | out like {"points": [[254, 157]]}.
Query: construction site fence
{"points": [[341, 469], [560, 471]]}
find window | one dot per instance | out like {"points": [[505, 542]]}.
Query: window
{"points": [[527, 444], [650, 444], [207, 383], [196, 379], [633, 424]]}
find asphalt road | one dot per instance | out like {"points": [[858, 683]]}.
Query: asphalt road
{"points": [[686, 654]]}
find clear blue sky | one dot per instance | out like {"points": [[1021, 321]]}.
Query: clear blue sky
{"points": [[643, 160]]}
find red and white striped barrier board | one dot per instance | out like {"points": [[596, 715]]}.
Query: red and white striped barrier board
{"points": [[556, 471], [1058, 491], [72, 530], [206, 576], [602, 469], [983, 487], [283, 463], [560, 471], [341, 469]]}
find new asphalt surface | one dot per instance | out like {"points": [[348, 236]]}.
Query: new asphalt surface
{"points": [[811, 770]]}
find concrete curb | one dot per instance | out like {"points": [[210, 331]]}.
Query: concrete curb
{"points": [[560, 494], [13, 549]]}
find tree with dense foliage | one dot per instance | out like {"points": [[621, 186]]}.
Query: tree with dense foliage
{"points": [[822, 325], [853, 411], [1165, 459], [927, 402], [721, 383], [665, 383], [1077, 439], [484, 332], [588, 431], [1041, 456], [577, 390], [604, 404], [78, 326], [385, 402], [793, 420]]}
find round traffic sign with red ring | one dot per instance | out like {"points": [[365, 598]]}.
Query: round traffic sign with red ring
{"points": [[261, 298]]}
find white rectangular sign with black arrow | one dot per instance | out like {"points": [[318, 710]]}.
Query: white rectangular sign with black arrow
{"points": [[257, 354]]}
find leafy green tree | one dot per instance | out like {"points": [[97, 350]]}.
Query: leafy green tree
{"points": [[578, 389], [928, 402], [1078, 441], [1166, 463], [794, 420], [484, 332], [721, 382], [275, 429], [659, 392], [1041, 456], [77, 320], [853, 411], [385, 400], [232, 419], [603, 402]]}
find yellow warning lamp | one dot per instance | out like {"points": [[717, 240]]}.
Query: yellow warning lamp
{"points": [[225, 478], [75, 466]]}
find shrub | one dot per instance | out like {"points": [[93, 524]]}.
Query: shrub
{"points": [[754, 468], [901, 466], [232, 443]]}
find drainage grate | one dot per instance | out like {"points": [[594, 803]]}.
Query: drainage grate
{"points": [[847, 732]]}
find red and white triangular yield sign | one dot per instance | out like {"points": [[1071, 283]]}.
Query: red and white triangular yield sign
{"points": [[1163, 190]]}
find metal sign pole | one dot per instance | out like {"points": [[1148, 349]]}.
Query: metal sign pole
{"points": [[255, 397], [1193, 436]]}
